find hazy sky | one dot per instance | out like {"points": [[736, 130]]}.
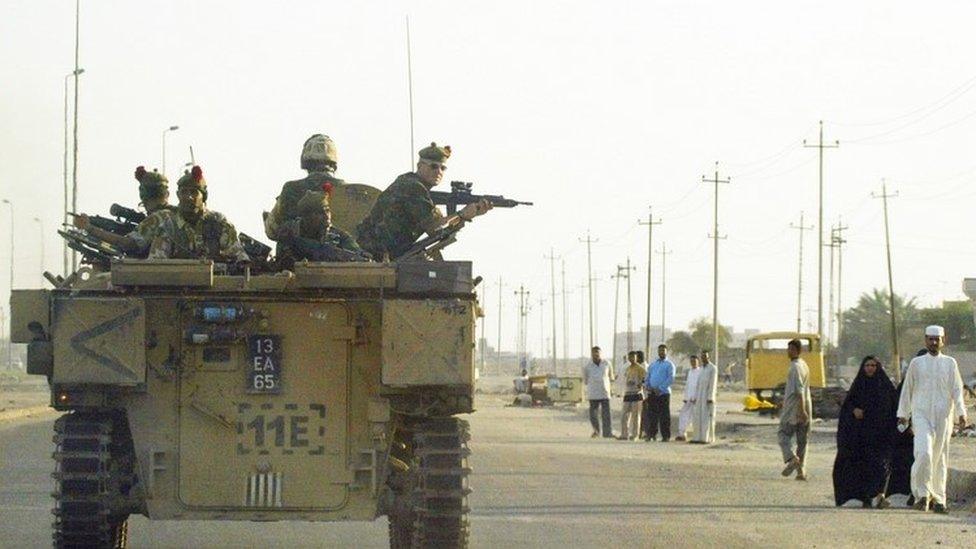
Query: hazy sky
{"points": [[593, 110]]}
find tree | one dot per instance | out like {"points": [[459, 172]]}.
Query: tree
{"points": [[698, 337], [957, 319], [867, 326], [681, 343]]}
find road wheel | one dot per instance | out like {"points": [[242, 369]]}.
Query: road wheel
{"points": [[86, 482]]}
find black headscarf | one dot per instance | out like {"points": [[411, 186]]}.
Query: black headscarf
{"points": [[874, 395]]}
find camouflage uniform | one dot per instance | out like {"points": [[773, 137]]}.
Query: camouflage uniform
{"points": [[211, 237], [319, 158], [315, 240], [140, 239], [402, 213], [286, 205]]}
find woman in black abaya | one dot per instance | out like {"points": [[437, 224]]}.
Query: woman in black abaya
{"points": [[864, 437]]}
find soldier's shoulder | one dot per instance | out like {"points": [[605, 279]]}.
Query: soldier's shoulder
{"points": [[408, 183], [215, 217]]}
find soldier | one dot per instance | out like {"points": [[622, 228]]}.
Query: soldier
{"points": [[192, 231], [154, 196], [311, 235], [320, 159], [404, 211]]}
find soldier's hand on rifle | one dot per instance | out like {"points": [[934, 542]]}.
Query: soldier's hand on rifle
{"points": [[475, 209], [81, 221]]}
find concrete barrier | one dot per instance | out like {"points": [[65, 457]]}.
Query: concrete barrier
{"points": [[17, 413], [961, 485]]}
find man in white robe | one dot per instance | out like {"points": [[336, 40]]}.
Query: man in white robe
{"points": [[931, 397], [703, 416], [691, 392]]}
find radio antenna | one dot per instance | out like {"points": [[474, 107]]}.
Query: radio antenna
{"points": [[410, 92]]}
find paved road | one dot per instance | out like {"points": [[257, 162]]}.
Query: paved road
{"points": [[540, 481]]}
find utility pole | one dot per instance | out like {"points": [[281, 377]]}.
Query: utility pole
{"points": [[589, 277], [498, 349], [523, 311], [582, 287], [840, 276], [74, 155], [565, 315], [896, 357], [799, 290], [650, 253], [664, 253], [715, 238], [482, 341], [616, 308], [830, 296], [623, 271], [542, 330], [820, 245], [552, 286]]}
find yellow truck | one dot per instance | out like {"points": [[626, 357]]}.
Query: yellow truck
{"points": [[767, 362]]}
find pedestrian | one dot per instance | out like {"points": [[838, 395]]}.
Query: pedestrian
{"points": [[703, 415], [660, 376], [902, 449], [633, 380], [727, 373], [796, 413], [688, 404], [597, 375], [931, 397], [864, 437]]}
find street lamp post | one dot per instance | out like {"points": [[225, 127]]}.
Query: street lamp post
{"points": [[64, 171], [74, 146], [40, 234], [169, 129], [10, 347]]}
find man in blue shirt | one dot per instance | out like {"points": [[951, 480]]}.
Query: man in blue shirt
{"points": [[660, 376]]}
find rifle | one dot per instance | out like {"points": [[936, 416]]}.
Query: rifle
{"points": [[120, 228], [121, 213], [460, 195], [313, 250], [93, 251], [430, 246], [258, 251]]}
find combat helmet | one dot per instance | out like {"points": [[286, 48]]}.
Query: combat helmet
{"points": [[319, 152]]}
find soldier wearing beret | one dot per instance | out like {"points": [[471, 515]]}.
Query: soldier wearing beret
{"points": [[405, 210], [192, 231], [320, 159], [311, 235], [154, 197]]}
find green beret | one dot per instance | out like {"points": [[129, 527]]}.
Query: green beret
{"points": [[434, 153], [313, 202]]}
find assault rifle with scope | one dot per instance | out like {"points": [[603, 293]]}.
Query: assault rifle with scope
{"points": [[460, 195]]}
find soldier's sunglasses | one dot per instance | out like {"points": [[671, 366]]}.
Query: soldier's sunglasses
{"points": [[437, 166]]}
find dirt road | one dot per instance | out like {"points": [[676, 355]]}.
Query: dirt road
{"points": [[540, 481]]}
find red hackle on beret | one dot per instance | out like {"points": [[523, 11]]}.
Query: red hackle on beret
{"points": [[197, 173], [140, 171]]}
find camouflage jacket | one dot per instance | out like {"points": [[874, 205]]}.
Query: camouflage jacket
{"points": [[139, 240], [211, 237], [285, 208], [335, 245], [402, 213]]}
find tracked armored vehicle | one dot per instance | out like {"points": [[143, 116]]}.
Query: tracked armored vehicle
{"points": [[324, 394]]}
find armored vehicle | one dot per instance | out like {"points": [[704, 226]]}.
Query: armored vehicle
{"points": [[324, 394]]}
